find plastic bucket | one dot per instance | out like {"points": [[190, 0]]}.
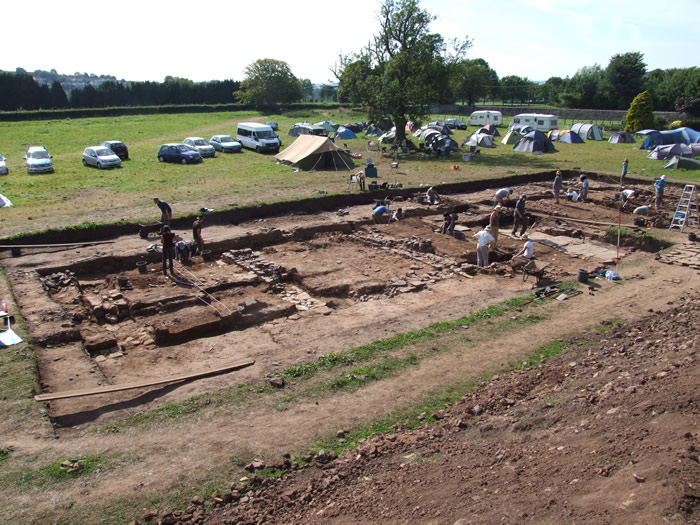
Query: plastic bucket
{"points": [[123, 282], [206, 255], [141, 266], [582, 276]]}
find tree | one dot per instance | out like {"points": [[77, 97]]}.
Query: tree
{"points": [[640, 114], [58, 96], [551, 91], [269, 81], [329, 92], [583, 88], [307, 88], [689, 106], [469, 80], [624, 79], [515, 89], [403, 69]]}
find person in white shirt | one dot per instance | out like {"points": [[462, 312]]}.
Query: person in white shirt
{"points": [[484, 241], [528, 250], [503, 194]]}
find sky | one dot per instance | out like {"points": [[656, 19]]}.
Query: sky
{"points": [[151, 39]]}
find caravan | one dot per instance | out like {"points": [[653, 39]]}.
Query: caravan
{"points": [[482, 118], [536, 121], [259, 137]]}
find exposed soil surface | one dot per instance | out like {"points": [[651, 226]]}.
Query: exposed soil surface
{"points": [[605, 433], [285, 290]]}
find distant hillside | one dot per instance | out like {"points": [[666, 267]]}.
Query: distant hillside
{"points": [[68, 82]]}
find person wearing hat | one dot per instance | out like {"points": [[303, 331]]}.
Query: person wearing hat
{"points": [[168, 239], [556, 186], [519, 217], [503, 194], [659, 186], [528, 249], [495, 221], [483, 243]]}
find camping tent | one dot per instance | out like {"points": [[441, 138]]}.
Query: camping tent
{"points": [[670, 150], [479, 139], [328, 125], [309, 152], [373, 131], [306, 128], [534, 142], [490, 129], [388, 138], [553, 134], [682, 162], [440, 126], [588, 131], [511, 137], [570, 137], [523, 129], [344, 133], [674, 136], [621, 137]]}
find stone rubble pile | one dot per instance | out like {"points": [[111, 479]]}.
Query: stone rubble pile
{"points": [[57, 281], [268, 271]]}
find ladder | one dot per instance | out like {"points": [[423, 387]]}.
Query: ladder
{"points": [[686, 204]]}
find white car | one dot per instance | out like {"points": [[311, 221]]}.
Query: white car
{"points": [[101, 157], [205, 149], [38, 160], [3, 166]]}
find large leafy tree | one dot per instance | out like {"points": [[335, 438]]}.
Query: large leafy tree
{"points": [[640, 114], [583, 88], [403, 69], [623, 79], [471, 79], [269, 81]]}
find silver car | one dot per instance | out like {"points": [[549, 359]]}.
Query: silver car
{"points": [[101, 157], [3, 166], [205, 149], [38, 160], [225, 143]]}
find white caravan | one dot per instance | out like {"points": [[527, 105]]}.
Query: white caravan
{"points": [[536, 121], [481, 118], [259, 137]]}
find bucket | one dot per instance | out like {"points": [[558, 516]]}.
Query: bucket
{"points": [[692, 237], [16, 252], [141, 266], [582, 276], [123, 282], [206, 255]]}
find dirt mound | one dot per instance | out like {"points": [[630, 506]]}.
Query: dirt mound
{"points": [[605, 433]]}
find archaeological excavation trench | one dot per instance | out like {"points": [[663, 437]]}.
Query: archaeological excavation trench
{"points": [[280, 291]]}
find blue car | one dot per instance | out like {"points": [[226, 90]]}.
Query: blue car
{"points": [[181, 153]]}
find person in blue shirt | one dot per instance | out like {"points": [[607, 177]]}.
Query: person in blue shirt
{"points": [[380, 214], [659, 186]]}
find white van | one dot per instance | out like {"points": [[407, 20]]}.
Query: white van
{"points": [[481, 118], [536, 121], [259, 137]]}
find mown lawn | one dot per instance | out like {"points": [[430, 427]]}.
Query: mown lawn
{"points": [[75, 194]]}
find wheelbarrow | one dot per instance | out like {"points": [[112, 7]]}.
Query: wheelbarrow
{"points": [[149, 228], [531, 267]]}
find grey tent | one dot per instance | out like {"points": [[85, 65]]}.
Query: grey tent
{"points": [[479, 139], [570, 137], [328, 125], [490, 129], [682, 162], [534, 142], [373, 131], [671, 150], [621, 137], [309, 152], [588, 131], [306, 128], [511, 137], [388, 138]]}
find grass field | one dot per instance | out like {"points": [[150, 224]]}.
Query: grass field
{"points": [[75, 194]]}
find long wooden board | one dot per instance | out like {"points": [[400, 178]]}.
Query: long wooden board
{"points": [[61, 245], [130, 386]]}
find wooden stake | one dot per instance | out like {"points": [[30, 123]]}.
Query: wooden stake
{"points": [[144, 384]]}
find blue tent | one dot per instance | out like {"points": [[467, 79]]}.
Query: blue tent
{"points": [[673, 136], [570, 137], [344, 133]]}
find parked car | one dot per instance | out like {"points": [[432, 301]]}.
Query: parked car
{"points": [[181, 153], [38, 160], [205, 149], [273, 124], [225, 143], [3, 166], [455, 123], [101, 157], [118, 147]]}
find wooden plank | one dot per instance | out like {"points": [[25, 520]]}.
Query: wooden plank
{"points": [[584, 221], [63, 245], [130, 386]]}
